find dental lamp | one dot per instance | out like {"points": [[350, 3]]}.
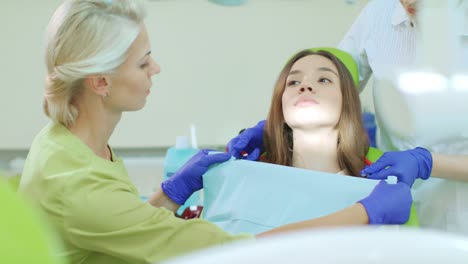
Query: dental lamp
{"points": [[364, 245], [428, 105]]}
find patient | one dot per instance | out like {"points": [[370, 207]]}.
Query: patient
{"points": [[314, 123], [315, 115]]}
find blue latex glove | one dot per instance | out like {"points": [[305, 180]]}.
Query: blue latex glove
{"points": [[250, 141], [188, 179], [388, 203], [406, 165]]}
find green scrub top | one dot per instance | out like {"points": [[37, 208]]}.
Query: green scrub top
{"points": [[97, 210]]}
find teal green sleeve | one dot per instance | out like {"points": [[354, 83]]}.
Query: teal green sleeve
{"points": [[95, 208], [107, 218]]}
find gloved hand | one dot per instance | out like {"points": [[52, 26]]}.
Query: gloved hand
{"points": [[188, 179], [250, 141], [388, 203], [406, 165]]}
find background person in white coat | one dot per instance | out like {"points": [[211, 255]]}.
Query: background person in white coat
{"points": [[383, 39]]}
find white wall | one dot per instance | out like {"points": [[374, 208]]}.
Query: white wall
{"points": [[218, 65]]}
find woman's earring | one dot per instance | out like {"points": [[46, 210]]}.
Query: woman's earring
{"points": [[106, 95]]}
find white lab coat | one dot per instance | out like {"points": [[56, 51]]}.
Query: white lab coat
{"points": [[381, 40]]}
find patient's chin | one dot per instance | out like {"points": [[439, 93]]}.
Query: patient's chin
{"points": [[308, 123], [310, 118]]}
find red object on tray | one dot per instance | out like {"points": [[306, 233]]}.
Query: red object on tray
{"points": [[191, 212]]}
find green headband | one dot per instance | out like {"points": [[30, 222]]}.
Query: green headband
{"points": [[346, 59]]}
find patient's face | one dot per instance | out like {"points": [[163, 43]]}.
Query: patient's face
{"points": [[312, 96]]}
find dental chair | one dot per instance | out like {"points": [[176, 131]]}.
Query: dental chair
{"points": [[24, 236]]}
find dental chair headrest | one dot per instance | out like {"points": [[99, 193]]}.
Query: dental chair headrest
{"points": [[346, 59]]}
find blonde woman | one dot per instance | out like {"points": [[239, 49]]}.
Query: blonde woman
{"points": [[99, 66]]}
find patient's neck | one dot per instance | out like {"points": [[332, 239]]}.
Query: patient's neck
{"points": [[316, 150]]}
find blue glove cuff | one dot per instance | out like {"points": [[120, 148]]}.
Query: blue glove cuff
{"points": [[425, 162], [374, 218], [174, 193]]}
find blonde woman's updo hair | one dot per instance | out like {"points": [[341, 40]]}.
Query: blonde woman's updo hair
{"points": [[86, 37]]}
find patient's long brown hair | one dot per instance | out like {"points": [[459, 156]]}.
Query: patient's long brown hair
{"points": [[352, 144]]}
